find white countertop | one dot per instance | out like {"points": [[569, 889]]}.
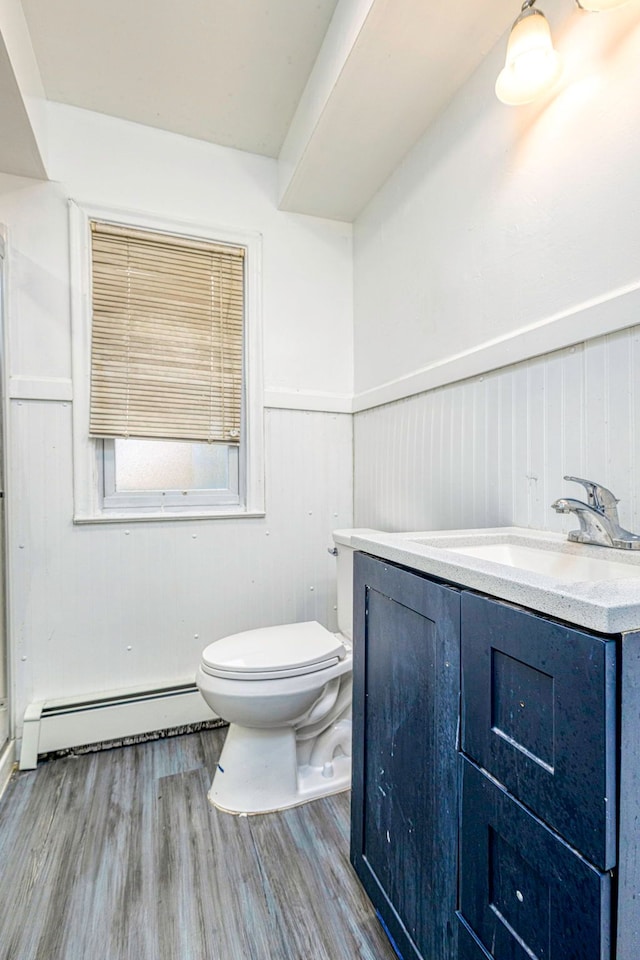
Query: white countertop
{"points": [[608, 601]]}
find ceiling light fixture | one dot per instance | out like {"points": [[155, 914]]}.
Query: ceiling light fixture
{"points": [[532, 65]]}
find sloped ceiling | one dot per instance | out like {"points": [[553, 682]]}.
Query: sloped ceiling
{"points": [[337, 90], [228, 71], [19, 153], [406, 61]]}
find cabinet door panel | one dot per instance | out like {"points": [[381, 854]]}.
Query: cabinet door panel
{"points": [[538, 712], [469, 947], [523, 891], [404, 809]]}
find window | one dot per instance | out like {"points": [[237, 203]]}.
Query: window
{"points": [[166, 366], [166, 340], [161, 473]]}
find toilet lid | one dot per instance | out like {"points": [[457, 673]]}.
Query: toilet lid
{"points": [[273, 652]]}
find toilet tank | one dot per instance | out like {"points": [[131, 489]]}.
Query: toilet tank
{"points": [[344, 572]]}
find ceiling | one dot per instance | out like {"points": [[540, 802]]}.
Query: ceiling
{"points": [[337, 90], [228, 71]]}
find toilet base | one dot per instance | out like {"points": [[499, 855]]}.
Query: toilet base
{"points": [[259, 771]]}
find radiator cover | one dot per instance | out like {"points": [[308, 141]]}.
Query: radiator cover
{"points": [[51, 725]]}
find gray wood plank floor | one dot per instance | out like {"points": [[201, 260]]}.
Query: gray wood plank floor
{"points": [[119, 856]]}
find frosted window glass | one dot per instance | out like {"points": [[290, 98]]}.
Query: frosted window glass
{"points": [[168, 465]]}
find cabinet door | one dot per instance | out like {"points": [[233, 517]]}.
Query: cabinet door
{"points": [[523, 891], [539, 713], [405, 712]]}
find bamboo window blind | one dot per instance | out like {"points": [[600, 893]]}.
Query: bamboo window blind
{"points": [[167, 336]]}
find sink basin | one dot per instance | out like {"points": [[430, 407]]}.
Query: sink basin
{"points": [[549, 562], [546, 555]]}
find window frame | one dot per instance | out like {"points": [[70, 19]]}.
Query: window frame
{"points": [[90, 503]]}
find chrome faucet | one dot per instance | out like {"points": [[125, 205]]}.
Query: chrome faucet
{"points": [[598, 518]]}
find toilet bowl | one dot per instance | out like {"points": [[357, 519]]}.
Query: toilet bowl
{"points": [[286, 693], [289, 737]]}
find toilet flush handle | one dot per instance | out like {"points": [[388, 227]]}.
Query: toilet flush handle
{"points": [[333, 551]]}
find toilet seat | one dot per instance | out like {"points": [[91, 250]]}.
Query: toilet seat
{"points": [[271, 653]]}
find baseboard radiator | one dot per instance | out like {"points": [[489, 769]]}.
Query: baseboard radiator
{"points": [[118, 715]]}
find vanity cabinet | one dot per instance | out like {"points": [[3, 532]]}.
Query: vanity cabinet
{"points": [[489, 744]]}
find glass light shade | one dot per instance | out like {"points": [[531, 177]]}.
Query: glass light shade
{"points": [[532, 64], [595, 6]]}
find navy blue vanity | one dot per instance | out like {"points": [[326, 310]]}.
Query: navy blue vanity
{"points": [[496, 796]]}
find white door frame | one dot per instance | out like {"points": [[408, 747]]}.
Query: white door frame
{"points": [[6, 718]]}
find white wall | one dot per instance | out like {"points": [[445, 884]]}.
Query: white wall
{"points": [[502, 219], [506, 233], [307, 295], [100, 607]]}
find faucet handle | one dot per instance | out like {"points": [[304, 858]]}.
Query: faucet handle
{"points": [[599, 497]]}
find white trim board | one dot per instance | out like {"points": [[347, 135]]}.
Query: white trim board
{"points": [[57, 389], [603, 315], [283, 399], [586, 321], [60, 390], [7, 761]]}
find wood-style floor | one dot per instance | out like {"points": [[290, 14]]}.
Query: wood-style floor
{"points": [[119, 856]]}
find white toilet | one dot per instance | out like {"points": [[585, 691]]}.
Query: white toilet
{"points": [[286, 692]]}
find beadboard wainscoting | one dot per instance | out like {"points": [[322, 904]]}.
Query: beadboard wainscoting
{"points": [[493, 450], [100, 607]]}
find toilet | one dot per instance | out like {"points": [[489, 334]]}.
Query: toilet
{"points": [[286, 693]]}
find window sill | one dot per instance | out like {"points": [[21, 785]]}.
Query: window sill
{"points": [[135, 516]]}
